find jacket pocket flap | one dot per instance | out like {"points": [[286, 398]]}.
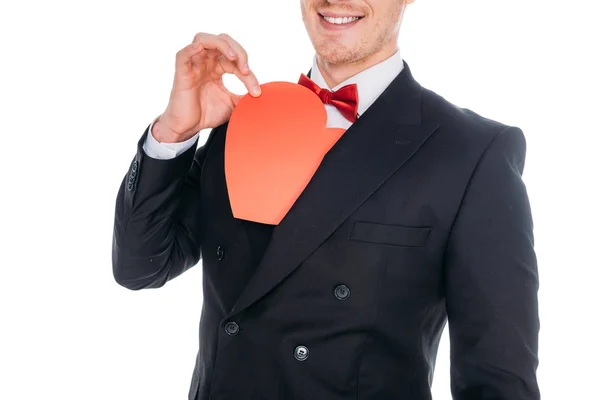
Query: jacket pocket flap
{"points": [[396, 235]]}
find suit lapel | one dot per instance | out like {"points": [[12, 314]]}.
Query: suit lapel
{"points": [[368, 153]]}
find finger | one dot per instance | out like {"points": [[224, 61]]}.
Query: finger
{"points": [[242, 56], [249, 80], [213, 42], [185, 55]]}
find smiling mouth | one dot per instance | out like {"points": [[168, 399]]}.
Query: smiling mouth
{"points": [[340, 20]]}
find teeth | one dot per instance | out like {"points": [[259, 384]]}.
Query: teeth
{"points": [[340, 21]]}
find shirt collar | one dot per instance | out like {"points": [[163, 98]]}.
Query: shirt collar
{"points": [[370, 83]]}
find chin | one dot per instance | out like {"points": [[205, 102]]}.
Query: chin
{"points": [[336, 53], [339, 49], [336, 57]]}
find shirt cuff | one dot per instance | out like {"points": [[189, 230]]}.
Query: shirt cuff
{"points": [[165, 151]]}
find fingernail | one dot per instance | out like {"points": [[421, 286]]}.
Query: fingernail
{"points": [[256, 90], [231, 53], [246, 68]]}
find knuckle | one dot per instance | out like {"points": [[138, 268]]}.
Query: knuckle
{"points": [[225, 40], [241, 50], [200, 36]]}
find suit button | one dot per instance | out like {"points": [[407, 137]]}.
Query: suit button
{"points": [[232, 328], [301, 353], [342, 292], [220, 253], [134, 166], [130, 186]]}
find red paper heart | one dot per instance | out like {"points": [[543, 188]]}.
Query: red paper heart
{"points": [[274, 145]]}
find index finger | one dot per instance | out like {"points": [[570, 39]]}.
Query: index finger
{"points": [[248, 79], [242, 55]]}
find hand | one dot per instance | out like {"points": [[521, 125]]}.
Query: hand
{"points": [[199, 100]]}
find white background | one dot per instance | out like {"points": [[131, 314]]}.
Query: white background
{"points": [[81, 80]]}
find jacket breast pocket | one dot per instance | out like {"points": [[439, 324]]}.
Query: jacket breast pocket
{"points": [[394, 235]]}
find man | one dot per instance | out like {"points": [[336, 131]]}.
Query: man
{"points": [[417, 215]]}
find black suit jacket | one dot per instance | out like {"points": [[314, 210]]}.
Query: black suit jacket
{"points": [[417, 216]]}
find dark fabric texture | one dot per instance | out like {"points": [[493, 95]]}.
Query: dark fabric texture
{"points": [[416, 218]]}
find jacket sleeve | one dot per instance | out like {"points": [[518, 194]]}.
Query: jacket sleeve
{"points": [[158, 227], [491, 280]]}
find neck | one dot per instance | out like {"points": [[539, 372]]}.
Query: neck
{"points": [[334, 74]]}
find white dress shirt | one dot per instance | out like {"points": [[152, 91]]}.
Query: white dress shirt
{"points": [[370, 84]]}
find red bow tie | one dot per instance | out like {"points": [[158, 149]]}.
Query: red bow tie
{"points": [[345, 99]]}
